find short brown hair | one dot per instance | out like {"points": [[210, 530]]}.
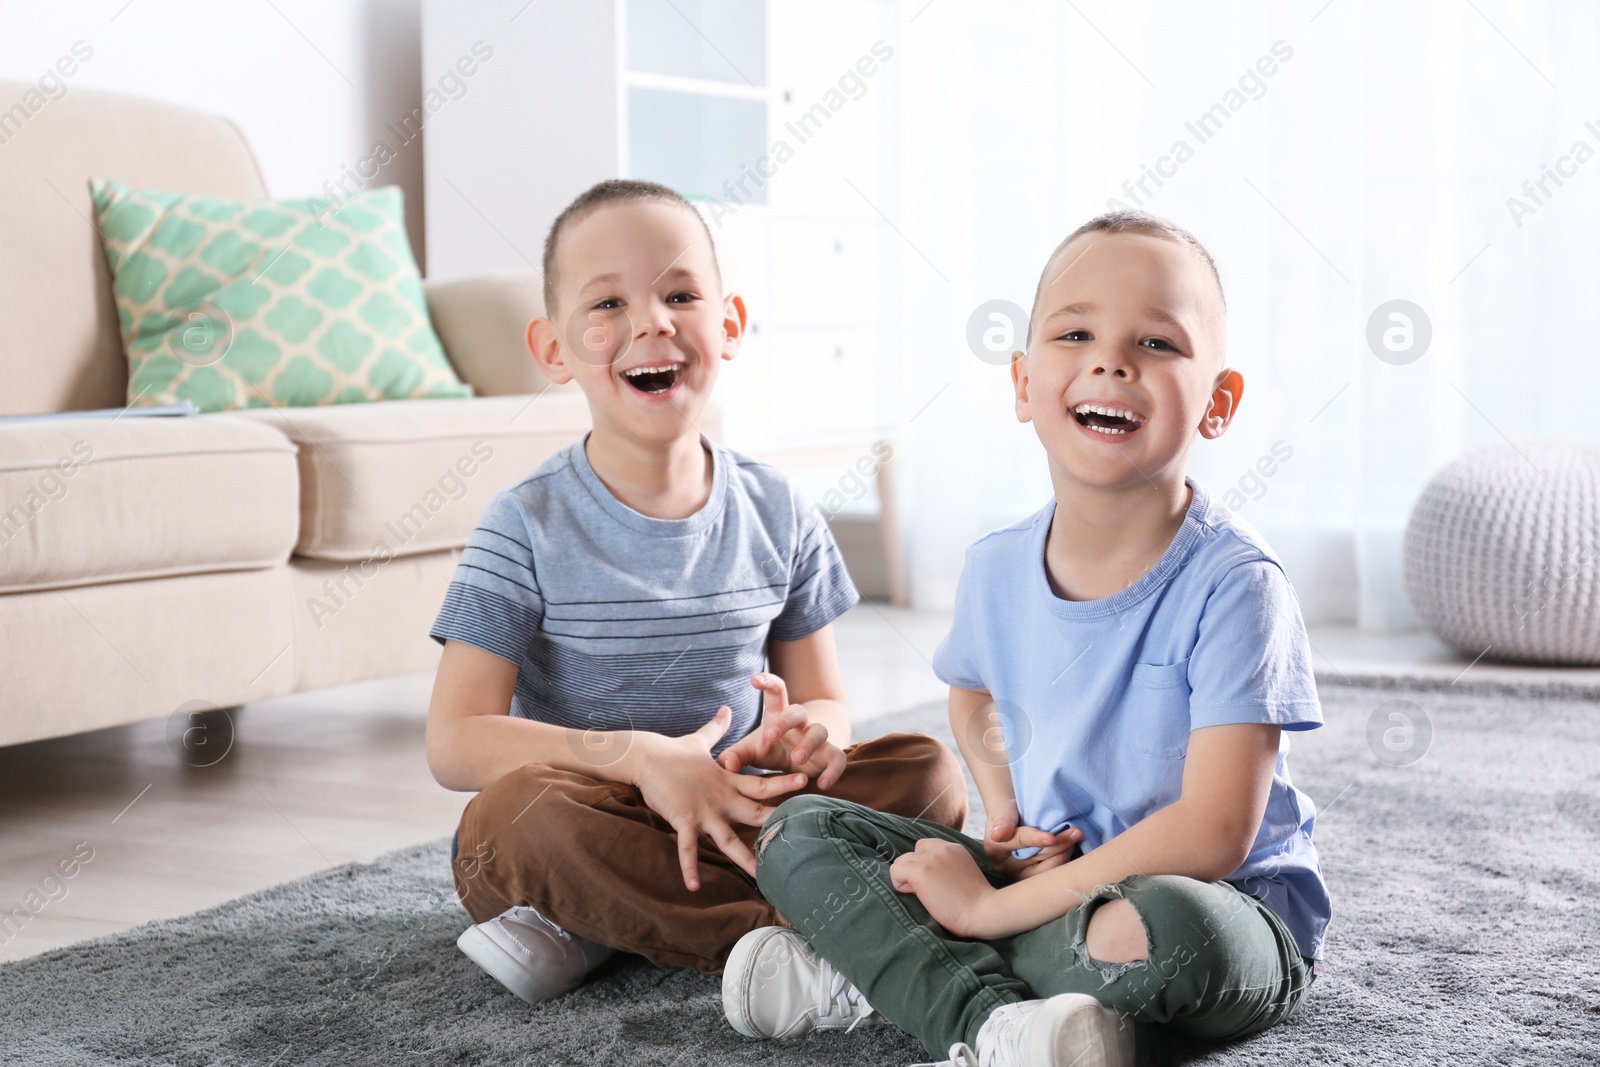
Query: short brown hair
{"points": [[1130, 221], [610, 191]]}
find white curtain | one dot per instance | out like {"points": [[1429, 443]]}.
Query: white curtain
{"points": [[1375, 163]]}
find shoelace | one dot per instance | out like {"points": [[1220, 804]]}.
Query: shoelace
{"points": [[961, 1055], [525, 914], [1001, 1033], [837, 995]]}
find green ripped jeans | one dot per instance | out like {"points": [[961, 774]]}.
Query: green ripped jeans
{"points": [[1221, 965]]}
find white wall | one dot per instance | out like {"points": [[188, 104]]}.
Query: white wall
{"points": [[312, 83]]}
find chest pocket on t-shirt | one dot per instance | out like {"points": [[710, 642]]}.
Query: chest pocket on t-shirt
{"points": [[1158, 702]]}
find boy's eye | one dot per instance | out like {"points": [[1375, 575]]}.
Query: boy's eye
{"points": [[681, 298], [1156, 343], [608, 304]]}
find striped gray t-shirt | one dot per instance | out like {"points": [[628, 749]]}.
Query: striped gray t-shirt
{"points": [[620, 621]]}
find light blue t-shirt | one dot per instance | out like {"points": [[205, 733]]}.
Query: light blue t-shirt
{"points": [[1097, 698]]}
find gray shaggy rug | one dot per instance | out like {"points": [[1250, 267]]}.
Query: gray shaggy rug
{"points": [[1461, 844]]}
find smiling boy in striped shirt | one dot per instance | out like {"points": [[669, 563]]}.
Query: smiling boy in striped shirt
{"points": [[633, 625]]}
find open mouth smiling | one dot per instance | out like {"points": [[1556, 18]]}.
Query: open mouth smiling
{"points": [[654, 379], [1107, 420]]}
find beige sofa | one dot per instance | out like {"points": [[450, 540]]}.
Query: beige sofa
{"points": [[150, 563]]}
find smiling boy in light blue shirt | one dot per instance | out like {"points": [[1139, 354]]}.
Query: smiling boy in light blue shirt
{"points": [[1147, 858]]}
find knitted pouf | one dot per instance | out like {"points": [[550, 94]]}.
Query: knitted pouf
{"points": [[1503, 553]]}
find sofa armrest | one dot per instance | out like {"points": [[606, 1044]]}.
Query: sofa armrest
{"points": [[483, 323]]}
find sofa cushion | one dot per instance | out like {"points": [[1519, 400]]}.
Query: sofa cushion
{"points": [[104, 655], [483, 323], [99, 500], [350, 626], [249, 303], [410, 476]]}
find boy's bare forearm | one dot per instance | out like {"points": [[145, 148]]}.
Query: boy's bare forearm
{"points": [[480, 749], [1173, 840], [977, 734]]}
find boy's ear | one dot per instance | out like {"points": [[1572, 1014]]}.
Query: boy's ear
{"points": [[735, 318], [1019, 378], [544, 344], [1225, 397]]}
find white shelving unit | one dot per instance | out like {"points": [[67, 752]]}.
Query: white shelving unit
{"points": [[695, 94]]}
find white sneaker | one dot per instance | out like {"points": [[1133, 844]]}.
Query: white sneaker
{"points": [[1070, 1030], [775, 985], [530, 955]]}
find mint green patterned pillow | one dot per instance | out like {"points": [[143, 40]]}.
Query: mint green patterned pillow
{"points": [[245, 303]]}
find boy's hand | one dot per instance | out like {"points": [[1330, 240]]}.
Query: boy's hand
{"points": [[698, 797], [786, 740], [946, 878], [1004, 835]]}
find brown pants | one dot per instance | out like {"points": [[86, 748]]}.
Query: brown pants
{"points": [[596, 861]]}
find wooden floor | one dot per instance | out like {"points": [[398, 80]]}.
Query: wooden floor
{"points": [[324, 778], [309, 782]]}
